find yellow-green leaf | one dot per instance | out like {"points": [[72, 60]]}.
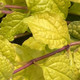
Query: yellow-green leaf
{"points": [[48, 29]]}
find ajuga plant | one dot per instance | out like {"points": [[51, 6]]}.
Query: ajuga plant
{"points": [[51, 46]]}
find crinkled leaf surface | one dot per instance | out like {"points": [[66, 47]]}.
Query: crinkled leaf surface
{"points": [[60, 67], [75, 9], [7, 59], [60, 7], [74, 29], [77, 58], [47, 29], [12, 25]]}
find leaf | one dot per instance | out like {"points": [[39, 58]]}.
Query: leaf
{"points": [[12, 25], [78, 1], [77, 58], [24, 54], [48, 29], [75, 9], [7, 59], [60, 67], [29, 74], [33, 44], [60, 7], [74, 29]]}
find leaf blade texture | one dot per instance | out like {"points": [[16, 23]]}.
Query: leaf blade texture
{"points": [[74, 29], [12, 25], [48, 29], [60, 7], [7, 59], [60, 66]]}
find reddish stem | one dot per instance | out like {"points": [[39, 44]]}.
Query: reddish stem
{"points": [[40, 58], [15, 7], [68, 22], [45, 56], [75, 43], [6, 12]]}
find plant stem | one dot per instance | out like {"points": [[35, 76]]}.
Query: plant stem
{"points": [[75, 43], [21, 35], [15, 7], [45, 56], [68, 22], [6, 12]]}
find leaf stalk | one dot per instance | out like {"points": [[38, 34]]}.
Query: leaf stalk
{"points": [[15, 7]]}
